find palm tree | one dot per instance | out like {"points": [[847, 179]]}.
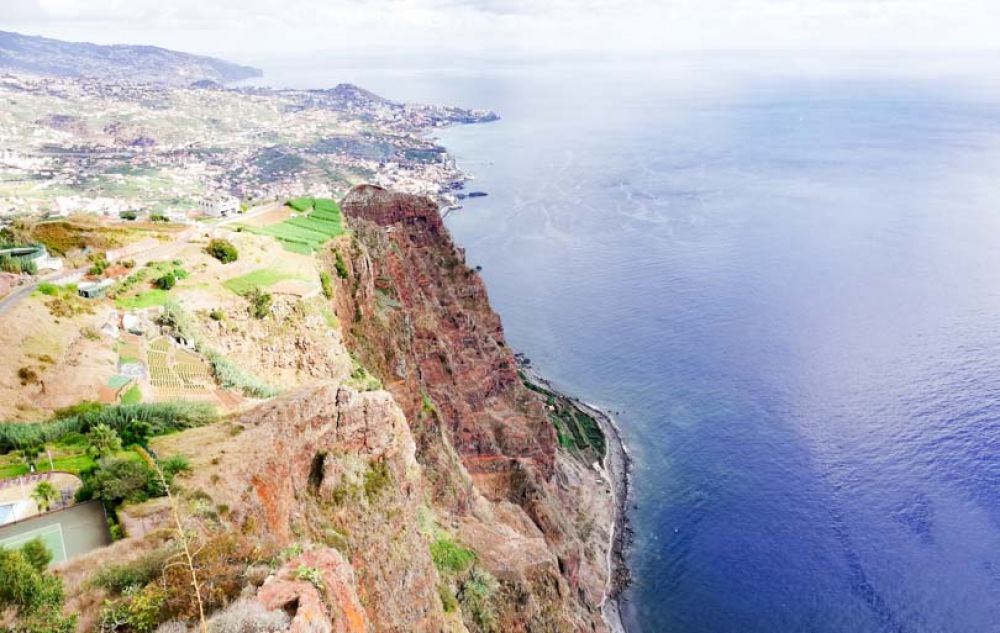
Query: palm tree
{"points": [[104, 441], [44, 494]]}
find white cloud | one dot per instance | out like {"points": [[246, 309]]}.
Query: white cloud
{"points": [[300, 27]]}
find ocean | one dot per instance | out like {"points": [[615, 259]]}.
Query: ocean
{"points": [[784, 279]]}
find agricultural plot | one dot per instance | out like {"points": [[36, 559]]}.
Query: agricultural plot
{"points": [[177, 373], [322, 222]]}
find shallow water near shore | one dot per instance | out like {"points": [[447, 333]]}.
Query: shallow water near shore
{"points": [[788, 283]]}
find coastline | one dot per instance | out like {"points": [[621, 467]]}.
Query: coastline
{"points": [[616, 468], [616, 463]]}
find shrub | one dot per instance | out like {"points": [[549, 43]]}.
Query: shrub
{"points": [[158, 217], [477, 599], [361, 379], [248, 616], [145, 608], [326, 281], [223, 250], [260, 303], [166, 282], [100, 264], [132, 575], [36, 553], [312, 576], [217, 315], [221, 561], [27, 376], [377, 477], [128, 215], [340, 265], [451, 558], [48, 289], [448, 601], [175, 318], [173, 465]]}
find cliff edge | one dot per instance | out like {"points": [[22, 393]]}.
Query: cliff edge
{"points": [[407, 478]]}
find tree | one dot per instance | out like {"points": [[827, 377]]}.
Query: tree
{"points": [[35, 596], [136, 432], [44, 495], [223, 250], [104, 441], [125, 480], [37, 554]]}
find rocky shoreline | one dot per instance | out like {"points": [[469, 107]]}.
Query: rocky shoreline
{"points": [[617, 467]]}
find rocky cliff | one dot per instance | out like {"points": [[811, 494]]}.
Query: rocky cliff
{"points": [[406, 480], [421, 319]]}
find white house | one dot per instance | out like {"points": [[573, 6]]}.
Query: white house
{"points": [[219, 205]]}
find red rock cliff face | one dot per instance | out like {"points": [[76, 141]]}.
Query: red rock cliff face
{"points": [[418, 317], [445, 341]]}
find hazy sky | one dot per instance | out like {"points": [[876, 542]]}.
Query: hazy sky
{"points": [[250, 29]]}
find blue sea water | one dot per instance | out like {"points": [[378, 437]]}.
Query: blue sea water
{"points": [[788, 284]]}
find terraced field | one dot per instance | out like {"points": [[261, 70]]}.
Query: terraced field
{"points": [[177, 373], [304, 234]]}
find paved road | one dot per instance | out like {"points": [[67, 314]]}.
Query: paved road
{"points": [[11, 300]]}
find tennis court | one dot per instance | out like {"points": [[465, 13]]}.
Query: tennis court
{"points": [[51, 535], [67, 533]]}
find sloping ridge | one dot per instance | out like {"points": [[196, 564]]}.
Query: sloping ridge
{"points": [[47, 56]]}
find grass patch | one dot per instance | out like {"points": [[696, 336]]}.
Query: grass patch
{"points": [[260, 278], [146, 299], [132, 396]]}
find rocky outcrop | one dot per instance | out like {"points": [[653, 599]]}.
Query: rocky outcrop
{"points": [[328, 465], [317, 589]]}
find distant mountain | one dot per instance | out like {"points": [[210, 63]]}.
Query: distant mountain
{"points": [[45, 56]]}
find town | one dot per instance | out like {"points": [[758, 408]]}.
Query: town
{"points": [[79, 145]]}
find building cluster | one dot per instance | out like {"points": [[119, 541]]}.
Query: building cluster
{"points": [[78, 145]]}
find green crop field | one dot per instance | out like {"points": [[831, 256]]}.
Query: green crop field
{"points": [[306, 233]]}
